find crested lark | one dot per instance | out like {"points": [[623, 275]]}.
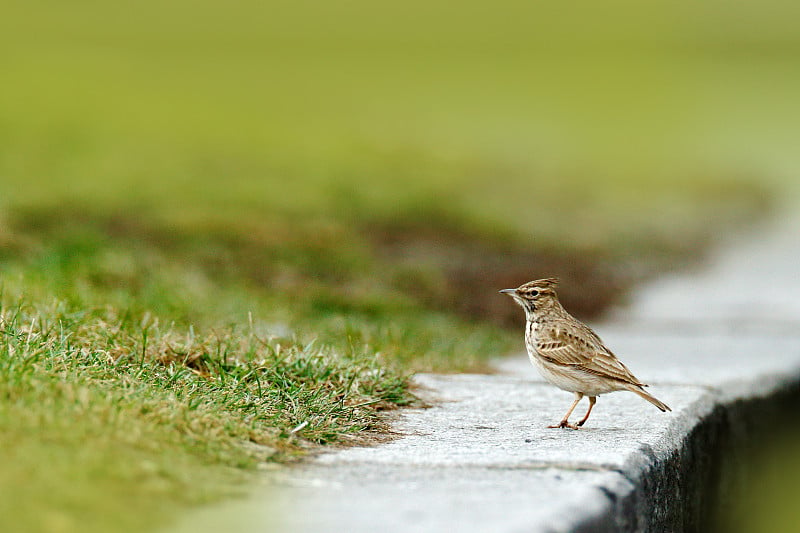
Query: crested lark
{"points": [[567, 353]]}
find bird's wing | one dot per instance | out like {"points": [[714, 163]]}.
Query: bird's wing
{"points": [[584, 351]]}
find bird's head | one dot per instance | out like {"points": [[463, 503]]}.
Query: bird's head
{"points": [[535, 295]]}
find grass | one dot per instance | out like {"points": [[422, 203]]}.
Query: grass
{"points": [[127, 412], [229, 235]]}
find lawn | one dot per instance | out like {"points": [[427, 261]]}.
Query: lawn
{"points": [[229, 235]]}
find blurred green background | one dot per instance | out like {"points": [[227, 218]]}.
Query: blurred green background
{"points": [[294, 105], [359, 175]]}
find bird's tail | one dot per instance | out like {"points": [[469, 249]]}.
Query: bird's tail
{"points": [[652, 399]]}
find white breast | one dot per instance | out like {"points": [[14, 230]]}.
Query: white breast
{"points": [[530, 341]]}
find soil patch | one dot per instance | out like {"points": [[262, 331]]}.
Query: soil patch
{"points": [[441, 266]]}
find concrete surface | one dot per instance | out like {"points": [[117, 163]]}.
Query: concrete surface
{"points": [[721, 346]]}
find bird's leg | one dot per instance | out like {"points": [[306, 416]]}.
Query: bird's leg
{"points": [[565, 421], [592, 401]]}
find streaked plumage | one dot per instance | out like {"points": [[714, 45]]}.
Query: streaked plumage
{"points": [[568, 353]]}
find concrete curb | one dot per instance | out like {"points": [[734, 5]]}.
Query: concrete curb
{"points": [[721, 347], [693, 482]]}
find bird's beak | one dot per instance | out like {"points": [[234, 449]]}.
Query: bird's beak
{"points": [[509, 291]]}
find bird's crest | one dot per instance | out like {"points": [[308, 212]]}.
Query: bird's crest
{"points": [[550, 283], [533, 288]]}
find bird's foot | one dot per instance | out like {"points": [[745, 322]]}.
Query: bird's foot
{"points": [[565, 424]]}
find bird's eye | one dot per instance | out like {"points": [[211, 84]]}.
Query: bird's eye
{"points": [[534, 293]]}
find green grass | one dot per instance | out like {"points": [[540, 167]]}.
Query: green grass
{"points": [[139, 419], [218, 226]]}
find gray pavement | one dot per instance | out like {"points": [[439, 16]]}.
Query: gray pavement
{"points": [[482, 458]]}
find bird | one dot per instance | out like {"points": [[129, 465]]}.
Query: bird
{"points": [[568, 354]]}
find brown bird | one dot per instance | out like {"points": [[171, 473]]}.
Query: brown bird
{"points": [[568, 353]]}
